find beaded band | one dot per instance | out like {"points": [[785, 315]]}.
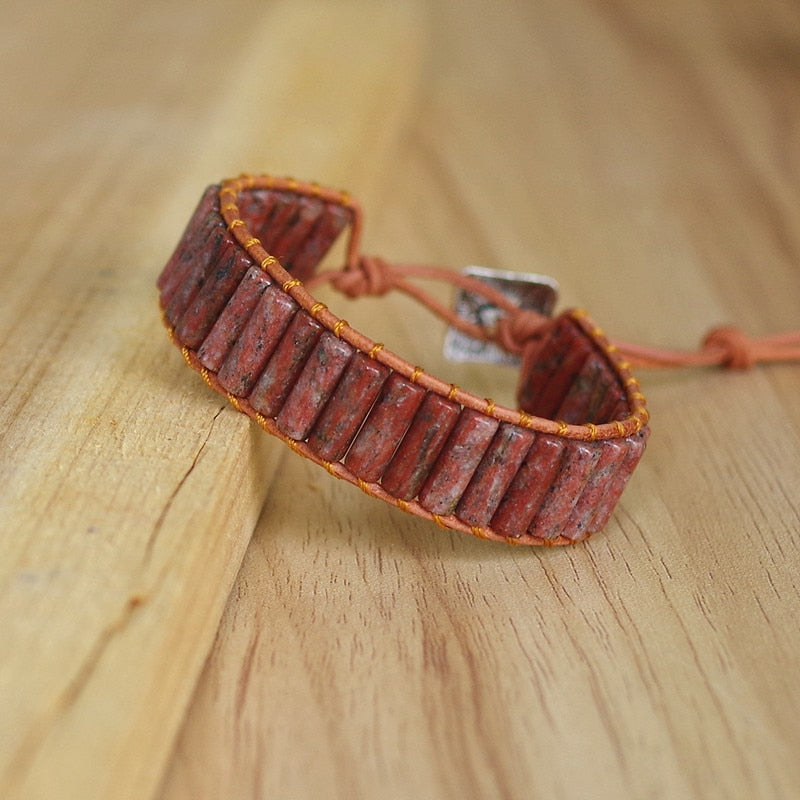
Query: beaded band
{"points": [[235, 299]]}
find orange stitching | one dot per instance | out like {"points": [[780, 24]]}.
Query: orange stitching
{"points": [[337, 328], [562, 427], [454, 390], [415, 374], [490, 407], [290, 284], [376, 348], [316, 308]]}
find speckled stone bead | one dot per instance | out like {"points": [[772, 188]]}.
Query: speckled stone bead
{"points": [[281, 218], [314, 386], [529, 487], [308, 213], [183, 259], [457, 462], [546, 379], [577, 464], [285, 365], [233, 319], [494, 474], [588, 391], [635, 446], [383, 429], [212, 297], [347, 408], [207, 255], [261, 335], [420, 447], [331, 223], [612, 455], [256, 208]]}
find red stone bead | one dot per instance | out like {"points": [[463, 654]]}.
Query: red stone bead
{"points": [[614, 405], [576, 466], [566, 366], [261, 335], [494, 474], [526, 493], [197, 230], [255, 208], [383, 429], [587, 391], [557, 341], [314, 386], [635, 446], [285, 365], [332, 222], [207, 254], [612, 454], [457, 462], [212, 297], [309, 210], [420, 447], [233, 319], [347, 408], [282, 216]]}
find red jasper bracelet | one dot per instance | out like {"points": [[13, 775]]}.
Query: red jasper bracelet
{"points": [[235, 299]]}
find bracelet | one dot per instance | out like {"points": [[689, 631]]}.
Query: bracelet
{"points": [[235, 299]]}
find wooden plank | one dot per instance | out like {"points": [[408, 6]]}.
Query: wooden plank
{"points": [[646, 156], [127, 491]]}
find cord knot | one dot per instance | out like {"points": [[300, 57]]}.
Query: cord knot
{"points": [[370, 276], [515, 331], [737, 350]]}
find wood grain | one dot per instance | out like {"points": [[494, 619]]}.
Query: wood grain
{"points": [[646, 155], [128, 493]]}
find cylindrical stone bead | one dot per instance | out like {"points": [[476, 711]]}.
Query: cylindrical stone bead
{"points": [[612, 454], [560, 381], [261, 335], [494, 474], [347, 408], [309, 211], [384, 428], [635, 446], [546, 378], [457, 462], [614, 405], [526, 493], [331, 223], [420, 447], [282, 217], [314, 386], [197, 230], [576, 407], [541, 359], [255, 208], [207, 255], [577, 464], [286, 363], [233, 319], [212, 297]]}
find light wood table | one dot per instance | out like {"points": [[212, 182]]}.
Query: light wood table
{"points": [[187, 610]]}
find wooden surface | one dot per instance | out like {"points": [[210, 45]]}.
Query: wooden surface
{"points": [[647, 156]]}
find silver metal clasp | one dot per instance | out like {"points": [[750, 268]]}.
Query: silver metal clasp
{"points": [[527, 290]]}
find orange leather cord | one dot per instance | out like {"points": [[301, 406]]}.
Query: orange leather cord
{"points": [[725, 346]]}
